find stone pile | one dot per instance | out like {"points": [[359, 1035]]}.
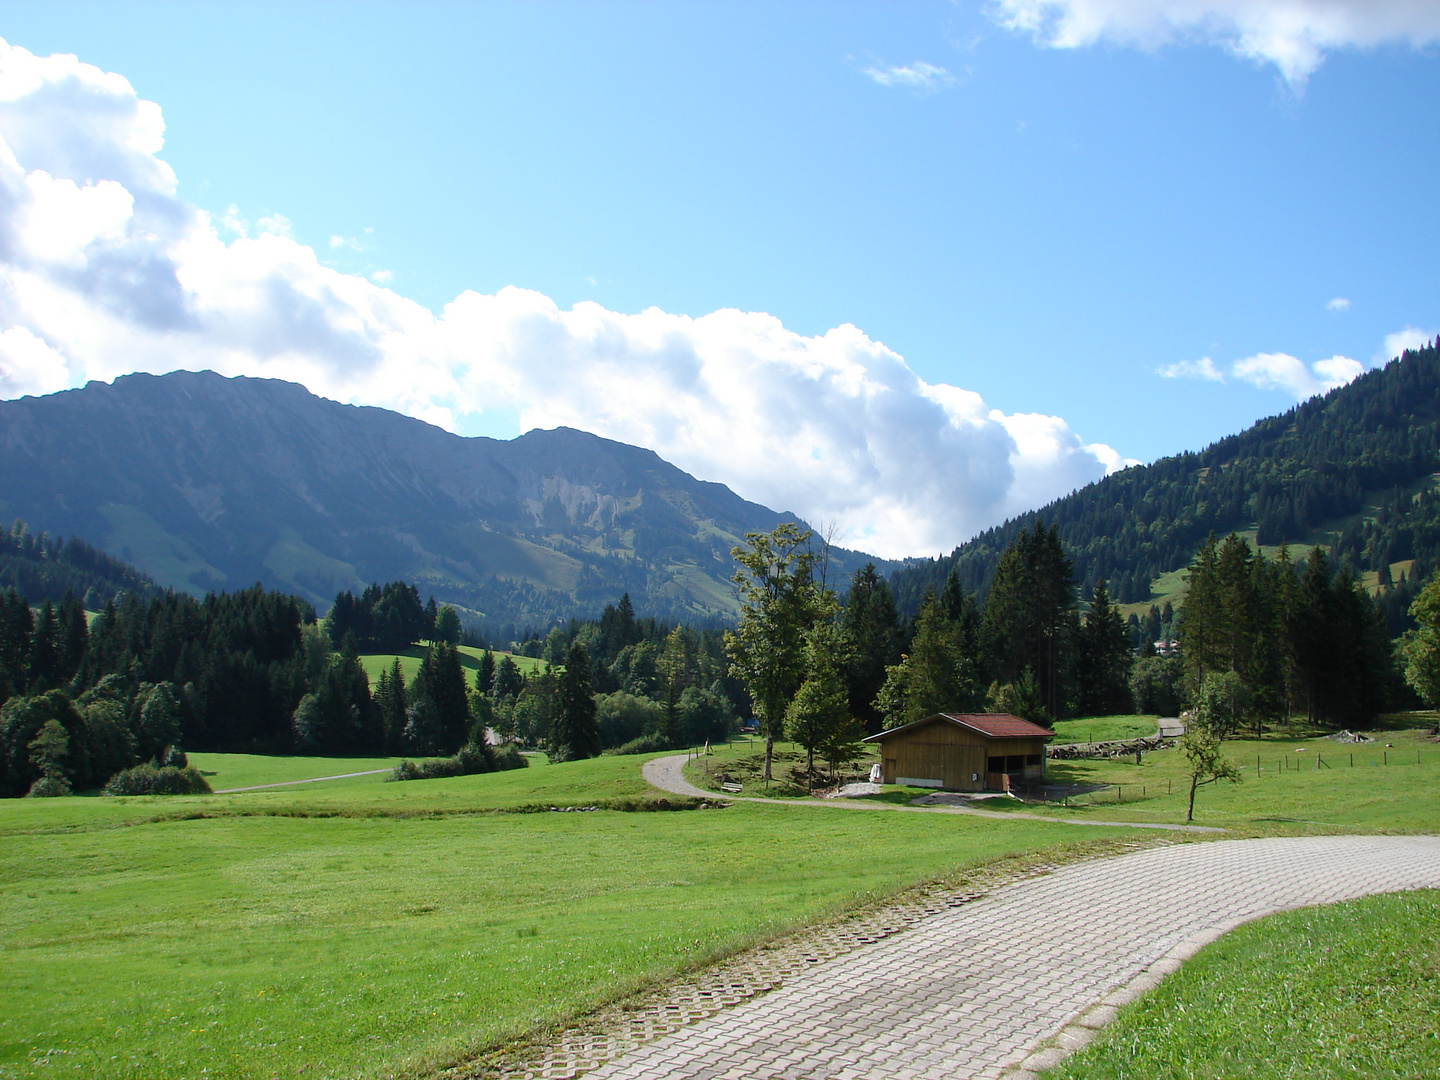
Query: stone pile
{"points": [[1117, 749]]}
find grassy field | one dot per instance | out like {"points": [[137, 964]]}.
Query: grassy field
{"points": [[370, 929], [410, 658], [245, 770], [1394, 789], [1284, 790], [1103, 728], [1356, 995]]}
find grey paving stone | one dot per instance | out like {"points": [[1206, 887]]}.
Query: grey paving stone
{"points": [[942, 999]]}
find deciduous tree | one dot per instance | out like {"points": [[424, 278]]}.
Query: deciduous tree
{"points": [[1202, 753], [1422, 646], [820, 709], [779, 602]]}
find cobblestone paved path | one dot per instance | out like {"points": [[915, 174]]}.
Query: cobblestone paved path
{"points": [[972, 990]]}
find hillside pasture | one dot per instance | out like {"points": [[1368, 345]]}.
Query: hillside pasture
{"points": [[411, 657], [1395, 789], [372, 929], [1103, 728], [248, 770]]}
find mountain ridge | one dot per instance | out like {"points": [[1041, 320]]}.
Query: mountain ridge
{"points": [[208, 482]]}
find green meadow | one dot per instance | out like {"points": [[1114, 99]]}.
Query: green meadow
{"points": [[1290, 785], [356, 927], [361, 928]]}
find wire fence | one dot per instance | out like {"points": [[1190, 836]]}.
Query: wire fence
{"points": [[1304, 761], [1290, 763], [1102, 794]]}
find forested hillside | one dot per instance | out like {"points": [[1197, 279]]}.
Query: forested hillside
{"points": [[1352, 470], [41, 567]]}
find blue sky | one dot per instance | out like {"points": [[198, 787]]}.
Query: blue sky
{"points": [[1040, 215]]}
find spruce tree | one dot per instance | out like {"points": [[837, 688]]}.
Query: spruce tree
{"points": [[1028, 613], [485, 673], [45, 652], [872, 640], [576, 734], [508, 681], [935, 676], [1104, 659], [1203, 630]]}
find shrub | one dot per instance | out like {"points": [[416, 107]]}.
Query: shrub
{"points": [[645, 744], [510, 757], [623, 718], [48, 787], [150, 779], [468, 761]]}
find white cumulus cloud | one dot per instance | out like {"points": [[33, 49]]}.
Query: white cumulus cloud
{"points": [[1293, 35], [1281, 371], [919, 76], [1339, 303], [1412, 337], [1204, 368], [1273, 371], [104, 271]]}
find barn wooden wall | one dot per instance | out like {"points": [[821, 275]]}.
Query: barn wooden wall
{"points": [[949, 754]]}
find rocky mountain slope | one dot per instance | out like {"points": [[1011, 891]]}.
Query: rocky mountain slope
{"points": [[209, 483]]}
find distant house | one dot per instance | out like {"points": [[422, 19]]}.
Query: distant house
{"points": [[964, 752]]}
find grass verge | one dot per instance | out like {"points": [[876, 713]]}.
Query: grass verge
{"points": [[1346, 991]]}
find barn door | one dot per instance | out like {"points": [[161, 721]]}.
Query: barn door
{"points": [[963, 767]]}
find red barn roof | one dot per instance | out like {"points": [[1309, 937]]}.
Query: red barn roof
{"points": [[993, 725]]}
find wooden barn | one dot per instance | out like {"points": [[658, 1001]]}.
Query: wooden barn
{"points": [[964, 752]]}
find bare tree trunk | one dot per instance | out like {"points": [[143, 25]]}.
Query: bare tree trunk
{"points": [[1194, 783], [769, 750]]}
